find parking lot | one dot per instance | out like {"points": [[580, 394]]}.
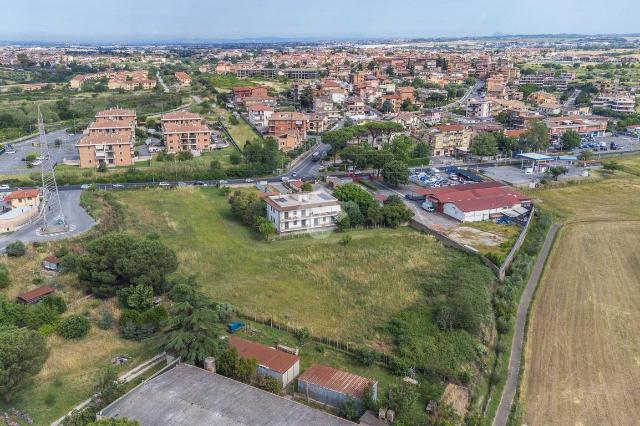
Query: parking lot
{"points": [[14, 164], [516, 176]]}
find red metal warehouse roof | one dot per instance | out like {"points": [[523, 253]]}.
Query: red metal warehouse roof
{"points": [[271, 358], [336, 380]]}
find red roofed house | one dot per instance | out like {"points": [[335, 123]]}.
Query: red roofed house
{"points": [[332, 386], [24, 197], [474, 202], [242, 92], [19, 208], [183, 78], [282, 366]]}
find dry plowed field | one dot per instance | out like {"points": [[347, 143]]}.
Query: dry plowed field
{"points": [[583, 345]]}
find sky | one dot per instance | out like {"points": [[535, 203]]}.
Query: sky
{"points": [[162, 20]]}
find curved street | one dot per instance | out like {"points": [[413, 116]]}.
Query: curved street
{"points": [[511, 385]]}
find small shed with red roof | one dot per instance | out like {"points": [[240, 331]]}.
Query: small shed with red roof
{"points": [[282, 366], [35, 295]]}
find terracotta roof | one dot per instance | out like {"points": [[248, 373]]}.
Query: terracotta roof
{"points": [[51, 259], [115, 112], [108, 123], [450, 127], [336, 380], [36, 293], [106, 139], [268, 357], [514, 133], [286, 116], [181, 115], [23, 193], [181, 75], [170, 127]]}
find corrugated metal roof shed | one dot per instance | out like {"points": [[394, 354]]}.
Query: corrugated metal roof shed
{"points": [[336, 380]]}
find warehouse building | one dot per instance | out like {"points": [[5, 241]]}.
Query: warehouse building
{"points": [[474, 202], [332, 386], [282, 366], [188, 395]]}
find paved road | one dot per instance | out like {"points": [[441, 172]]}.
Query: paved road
{"points": [[511, 386], [471, 92], [13, 164], [572, 99], [76, 216], [308, 167]]}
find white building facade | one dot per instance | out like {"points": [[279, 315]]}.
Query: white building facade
{"points": [[303, 212]]}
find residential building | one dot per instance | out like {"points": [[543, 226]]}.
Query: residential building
{"points": [[325, 105], [331, 386], [185, 131], [317, 123], [188, 395], [283, 367], [282, 122], [24, 197], [449, 139], [259, 114], [480, 108], [618, 102], [242, 92], [585, 125], [19, 208], [183, 78], [109, 140], [355, 107], [303, 212]]}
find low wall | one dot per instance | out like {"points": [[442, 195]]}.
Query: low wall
{"points": [[14, 223], [454, 244], [512, 253]]}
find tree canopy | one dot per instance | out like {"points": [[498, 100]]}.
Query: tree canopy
{"points": [[116, 261], [22, 355]]}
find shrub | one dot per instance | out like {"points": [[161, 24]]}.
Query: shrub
{"points": [[4, 276], [106, 321], [366, 357], [302, 335], [224, 311], [74, 327], [57, 303], [16, 249], [41, 314], [345, 239], [269, 384]]}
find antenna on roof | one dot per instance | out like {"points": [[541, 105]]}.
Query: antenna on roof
{"points": [[53, 218]]}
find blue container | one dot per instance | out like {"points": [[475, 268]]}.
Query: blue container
{"points": [[232, 327]]}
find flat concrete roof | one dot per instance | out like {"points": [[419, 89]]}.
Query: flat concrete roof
{"points": [[188, 395]]}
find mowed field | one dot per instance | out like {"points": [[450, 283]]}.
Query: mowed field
{"points": [[336, 291], [582, 357]]}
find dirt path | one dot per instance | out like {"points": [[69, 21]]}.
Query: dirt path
{"points": [[509, 391]]}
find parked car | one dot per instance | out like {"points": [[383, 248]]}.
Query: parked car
{"points": [[412, 196], [118, 185], [428, 207], [4, 187], [164, 184], [200, 183], [86, 186], [248, 180]]}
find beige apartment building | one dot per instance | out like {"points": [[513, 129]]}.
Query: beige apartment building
{"points": [[449, 138], [109, 139], [185, 131]]}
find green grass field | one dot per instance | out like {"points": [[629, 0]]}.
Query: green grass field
{"points": [[335, 290]]}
